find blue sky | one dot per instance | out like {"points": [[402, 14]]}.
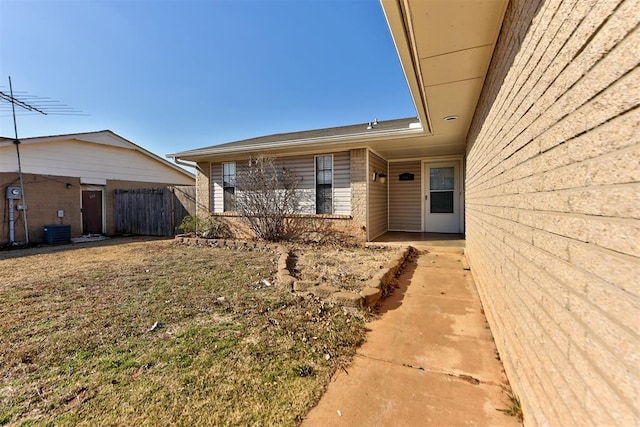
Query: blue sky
{"points": [[176, 75]]}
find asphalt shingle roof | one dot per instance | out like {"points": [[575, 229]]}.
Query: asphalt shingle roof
{"points": [[333, 133]]}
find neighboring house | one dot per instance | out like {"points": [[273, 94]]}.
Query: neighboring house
{"points": [[74, 176], [527, 140]]}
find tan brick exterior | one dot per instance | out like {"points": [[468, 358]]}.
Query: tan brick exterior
{"points": [[553, 208], [203, 190], [46, 194], [359, 190], [330, 226]]}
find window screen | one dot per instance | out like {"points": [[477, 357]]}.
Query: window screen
{"points": [[229, 186], [324, 181]]}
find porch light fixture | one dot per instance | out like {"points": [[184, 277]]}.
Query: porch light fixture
{"points": [[449, 118], [380, 177]]}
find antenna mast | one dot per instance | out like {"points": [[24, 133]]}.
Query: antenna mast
{"points": [[16, 141], [31, 105]]}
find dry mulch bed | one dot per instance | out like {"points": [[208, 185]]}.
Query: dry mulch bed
{"points": [[345, 267]]}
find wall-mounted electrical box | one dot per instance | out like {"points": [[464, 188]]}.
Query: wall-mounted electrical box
{"points": [[14, 193]]}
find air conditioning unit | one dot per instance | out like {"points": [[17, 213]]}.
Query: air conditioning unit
{"points": [[57, 233], [14, 193]]}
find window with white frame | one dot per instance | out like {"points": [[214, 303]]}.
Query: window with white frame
{"points": [[229, 186], [324, 184]]}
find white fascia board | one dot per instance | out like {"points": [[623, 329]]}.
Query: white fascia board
{"points": [[395, 13]]}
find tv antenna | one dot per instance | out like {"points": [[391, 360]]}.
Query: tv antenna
{"points": [[32, 104], [29, 104]]}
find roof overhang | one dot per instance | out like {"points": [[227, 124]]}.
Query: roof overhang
{"points": [[444, 48], [401, 34]]}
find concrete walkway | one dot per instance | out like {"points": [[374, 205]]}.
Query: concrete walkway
{"points": [[428, 360]]}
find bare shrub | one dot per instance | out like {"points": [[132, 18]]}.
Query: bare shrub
{"points": [[317, 230], [309, 229], [209, 227], [266, 197]]}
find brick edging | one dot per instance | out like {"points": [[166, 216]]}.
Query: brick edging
{"points": [[377, 287], [225, 243]]}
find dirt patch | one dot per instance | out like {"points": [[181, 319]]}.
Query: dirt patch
{"points": [[347, 268]]}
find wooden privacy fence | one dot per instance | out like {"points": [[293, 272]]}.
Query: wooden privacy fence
{"points": [[152, 211]]}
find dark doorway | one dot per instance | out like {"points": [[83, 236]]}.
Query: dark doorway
{"points": [[92, 212]]}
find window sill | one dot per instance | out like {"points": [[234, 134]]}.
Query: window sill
{"points": [[311, 216]]}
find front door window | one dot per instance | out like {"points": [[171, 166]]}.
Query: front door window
{"points": [[441, 189]]}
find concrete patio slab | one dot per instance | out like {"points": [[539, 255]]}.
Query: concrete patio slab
{"points": [[441, 240], [428, 360]]}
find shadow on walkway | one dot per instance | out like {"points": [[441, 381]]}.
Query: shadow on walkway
{"points": [[394, 301], [429, 359]]}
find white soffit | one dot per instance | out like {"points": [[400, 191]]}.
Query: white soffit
{"points": [[456, 66], [462, 104], [447, 26], [451, 42]]}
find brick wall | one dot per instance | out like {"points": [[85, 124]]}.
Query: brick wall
{"points": [[358, 175], [314, 227], [553, 208], [203, 188], [44, 195]]}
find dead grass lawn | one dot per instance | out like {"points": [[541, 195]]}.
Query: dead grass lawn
{"points": [[78, 343]]}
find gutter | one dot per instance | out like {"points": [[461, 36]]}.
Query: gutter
{"points": [[397, 15], [179, 161]]}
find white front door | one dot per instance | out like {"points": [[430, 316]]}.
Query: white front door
{"points": [[442, 197]]}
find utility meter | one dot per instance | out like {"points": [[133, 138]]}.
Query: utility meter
{"points": [[14, 193]]}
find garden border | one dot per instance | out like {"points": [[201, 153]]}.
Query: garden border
{"points": [[378, 287]]}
